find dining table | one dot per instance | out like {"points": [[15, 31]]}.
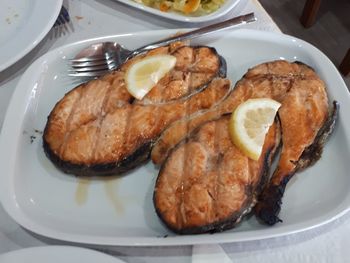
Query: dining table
{"points": [[94, 18]]}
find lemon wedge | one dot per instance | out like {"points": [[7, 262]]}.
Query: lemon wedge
{"points": [[249, 124], [144, 74]]}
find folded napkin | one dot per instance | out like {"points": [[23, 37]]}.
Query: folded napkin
{"points": [[209, 254]]}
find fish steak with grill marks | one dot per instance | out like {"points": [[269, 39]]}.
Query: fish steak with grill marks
{"points": [[207, 184], [99, 129], [306, 122]]}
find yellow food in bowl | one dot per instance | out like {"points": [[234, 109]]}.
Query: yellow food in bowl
{"points": [[187, 7]]}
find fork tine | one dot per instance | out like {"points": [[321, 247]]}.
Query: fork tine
{"points": [[89, 74], [92, 63], [65, 14], [62, 18], [93, 58], [57, 22], [86, 59], [92, 71], [89, 69]]}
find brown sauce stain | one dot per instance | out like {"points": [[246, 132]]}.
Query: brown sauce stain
{"points": [[81, 194], [111, 189]]}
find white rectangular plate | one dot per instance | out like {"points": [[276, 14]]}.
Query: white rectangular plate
{"points": [[177, 16], [120, 211]]}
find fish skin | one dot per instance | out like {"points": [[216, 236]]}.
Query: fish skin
{"points": [[313, 153]]}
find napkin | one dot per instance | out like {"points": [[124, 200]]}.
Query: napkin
{"points": [[209, 254]]}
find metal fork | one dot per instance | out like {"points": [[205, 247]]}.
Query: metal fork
{"points": [[112, 54], [62, 24], [63, 17]]}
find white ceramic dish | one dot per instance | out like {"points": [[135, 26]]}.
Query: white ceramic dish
{"points": [[23, 24], [57, 254], [120, 211], [223, 10]]}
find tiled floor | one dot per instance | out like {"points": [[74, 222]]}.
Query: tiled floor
{"points": [[330, 33]]}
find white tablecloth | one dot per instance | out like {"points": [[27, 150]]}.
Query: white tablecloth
{"points": [[92, 18]]}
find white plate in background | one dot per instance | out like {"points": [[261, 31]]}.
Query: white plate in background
{"points": [[177, 16], [57, 254], [120, 211], [23, 24]]}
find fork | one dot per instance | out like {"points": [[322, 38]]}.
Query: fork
{"points": [[114, 54], [62, 18]]}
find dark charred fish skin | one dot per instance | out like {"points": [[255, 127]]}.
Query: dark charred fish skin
{"points": [[314, 152], [216, 227], [141, 155], [195, 100], [257, 176], [270, 200]]}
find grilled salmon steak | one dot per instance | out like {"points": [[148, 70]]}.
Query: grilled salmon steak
{"points": [[206, 184], [306, 121], [274, 85], [99, 129], [305, 116]]}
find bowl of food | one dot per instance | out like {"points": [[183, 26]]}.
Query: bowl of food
{"points": [[192, 11]]}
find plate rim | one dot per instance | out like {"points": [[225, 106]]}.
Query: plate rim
{"points": [[223, 10], [35, 40], [8, 197]]}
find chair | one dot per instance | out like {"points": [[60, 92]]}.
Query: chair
{"points": [[310, 11], [308, 18], [345, 64]]}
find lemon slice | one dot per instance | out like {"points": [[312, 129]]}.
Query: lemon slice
{"points": [[144, 74], [249, 124]]}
